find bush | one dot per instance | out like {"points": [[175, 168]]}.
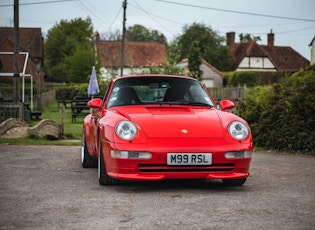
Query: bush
{"points": [[252, 79], [241, 78], [68, 91], [282, 117]]}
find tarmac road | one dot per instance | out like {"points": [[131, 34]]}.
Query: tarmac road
{"points": [[45, 187]]}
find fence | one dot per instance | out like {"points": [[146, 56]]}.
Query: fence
{"points": [[10, 110], [231, 93]]}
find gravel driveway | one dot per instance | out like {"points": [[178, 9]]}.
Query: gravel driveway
{"points": [[44, 187]]}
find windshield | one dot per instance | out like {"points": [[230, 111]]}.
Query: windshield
{"points": [[157, 90]]}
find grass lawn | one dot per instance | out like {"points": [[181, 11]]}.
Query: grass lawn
{"points": [[72, 131]]}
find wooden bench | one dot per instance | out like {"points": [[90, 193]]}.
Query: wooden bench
{"points": [[79, 109], [63, 102]]}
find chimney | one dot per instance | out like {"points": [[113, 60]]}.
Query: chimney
{"points": [[230, 41], [271, 38], [97, 37]]}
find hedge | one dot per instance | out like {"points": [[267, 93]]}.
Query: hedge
{"points": [[282, 117]]}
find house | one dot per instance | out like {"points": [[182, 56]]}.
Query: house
{"points": [[138, 56], [211, 76], [250, 56], [30, 41], [312, 45]]}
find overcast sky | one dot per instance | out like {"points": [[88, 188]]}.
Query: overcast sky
{"points": [[292, 21]]}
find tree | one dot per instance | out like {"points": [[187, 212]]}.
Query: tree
{"points": [[78, 66], [63, 41], [248, 37], [173, 51], [166, 68], [194, 61], [140, 33], [112, 35], [210, 45]]}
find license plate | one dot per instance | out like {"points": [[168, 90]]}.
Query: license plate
{"points": [[189, 158]]}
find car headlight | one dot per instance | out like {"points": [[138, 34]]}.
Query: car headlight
{"points": [[126, 130], [238, 130]]}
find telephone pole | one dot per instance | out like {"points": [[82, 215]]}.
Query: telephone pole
{"points": [[16, 77], [123, 40]]}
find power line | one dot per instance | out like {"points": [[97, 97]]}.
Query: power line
{"points": [[297, 30], [236, 12], [163, 18], [89, 12], [115, 18], [36, 3], [139, 7], [97, 10]]}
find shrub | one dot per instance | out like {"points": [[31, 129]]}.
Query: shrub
{"points": [[241, 78], [283, 117]]}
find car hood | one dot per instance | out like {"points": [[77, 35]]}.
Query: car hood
{"points": [[174, 121]]}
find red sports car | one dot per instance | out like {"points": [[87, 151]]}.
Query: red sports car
{"points": [[157, 127]]}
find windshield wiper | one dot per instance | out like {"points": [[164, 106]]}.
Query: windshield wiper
{"points": [[186, 103], [199, 104]]}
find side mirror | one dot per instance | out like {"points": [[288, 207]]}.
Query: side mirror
{"points": [[226, 105], [95, 103]]}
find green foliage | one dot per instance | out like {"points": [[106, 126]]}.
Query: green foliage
{"points": [[166, 68], [78, 67], [241, 78], [282, 117], [65, 40], [195, 61], [222, 58], [173, 51], [71, 90], [248, 37], [210, 45], [140, 33]]}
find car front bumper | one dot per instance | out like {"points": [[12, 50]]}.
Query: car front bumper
{"points": [[156, 167]]}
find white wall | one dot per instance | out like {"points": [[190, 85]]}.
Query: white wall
{"points": [[256, 63], [313, 53]]}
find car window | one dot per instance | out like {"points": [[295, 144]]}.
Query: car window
{"points": [[157, 90]]}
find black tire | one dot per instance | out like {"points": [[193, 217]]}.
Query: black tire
{"points": [[234, 182], [86, 160], [103, 177]]}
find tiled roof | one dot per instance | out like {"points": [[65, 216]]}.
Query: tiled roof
{"points": [[137, 54], [30, 40], [284, 58], [184, 63]]}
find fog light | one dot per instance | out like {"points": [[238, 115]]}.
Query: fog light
{"points": [[238, 154], [130, 154]]}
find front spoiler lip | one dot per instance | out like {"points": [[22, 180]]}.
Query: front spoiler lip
{"points": [[165, 176]]}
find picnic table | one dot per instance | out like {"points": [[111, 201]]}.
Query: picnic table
{"points": [[79, 107]]}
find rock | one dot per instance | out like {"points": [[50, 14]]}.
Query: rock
{"points": [[15, 128], [48, 129], [10, 124]]}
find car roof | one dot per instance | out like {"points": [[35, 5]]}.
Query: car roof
{"points": [[154, 75]]}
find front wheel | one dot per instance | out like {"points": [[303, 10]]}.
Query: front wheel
{"points": [[103, 177], [234, 182]]}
